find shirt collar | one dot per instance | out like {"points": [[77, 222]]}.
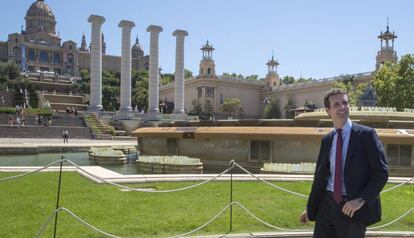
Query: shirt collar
{"points": [[346, 128]]}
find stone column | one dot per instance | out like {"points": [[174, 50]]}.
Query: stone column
{"points": [[153, 112], [125, 69], [95, 101], [179, 74]]}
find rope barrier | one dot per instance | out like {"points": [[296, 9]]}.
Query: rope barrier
{"points": [[149, 191], [31, 172], [205, 224], [264, 222], [232, 165], [393, 221], [43, 227], [398, 185], [266, 182], [77, 218]]}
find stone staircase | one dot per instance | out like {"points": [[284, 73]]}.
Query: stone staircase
{"points": [[105, 129], [49, 132], [115, 132], [60, 121], [119, 129]]}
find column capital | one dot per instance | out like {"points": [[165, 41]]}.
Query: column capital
{"points": [[126, 24], [154, 28], [96, 19], [179, 32]]}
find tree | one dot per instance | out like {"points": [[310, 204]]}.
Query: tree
{"points": [[139, 89], [167, 78], [9, 71], [252, 77], [232, 106], [303, 79], [288, 108], [83, 85], [109, 101], [208, 107], [196, 107], [354, 91], [272, 109], [394, 83], [288, 80], [188, 74]]}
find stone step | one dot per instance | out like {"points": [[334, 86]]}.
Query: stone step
{"points": [[120, 133]]}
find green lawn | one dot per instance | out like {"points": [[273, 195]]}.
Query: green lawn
{"points": [[27, 202]]}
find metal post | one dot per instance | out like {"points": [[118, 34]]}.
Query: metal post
{"points": [[58, 196], [231, 200]]}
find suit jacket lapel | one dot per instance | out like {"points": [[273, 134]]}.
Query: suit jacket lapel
{"points": [[351, 145]]}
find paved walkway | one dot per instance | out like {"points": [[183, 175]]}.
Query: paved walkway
{"points": [[79, 142], [34, 145]]}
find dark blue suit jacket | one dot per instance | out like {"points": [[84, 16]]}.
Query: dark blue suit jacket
{"points": [[365, 173]]}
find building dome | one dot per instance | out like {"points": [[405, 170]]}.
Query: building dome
{"points": [[40, 9], [40, 17], [137, 50]]}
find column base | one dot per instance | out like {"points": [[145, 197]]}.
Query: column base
{"points": [[152, 116], [125, 115], [125, 109], [179, 117], [96, 108]]}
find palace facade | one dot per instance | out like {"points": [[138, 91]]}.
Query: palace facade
{"points": [[38, 48], [208, 90]]}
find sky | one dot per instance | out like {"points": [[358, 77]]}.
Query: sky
{"points": [[309, 38]]}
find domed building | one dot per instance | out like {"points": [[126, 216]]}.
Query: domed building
{"points": [[39, 49]]}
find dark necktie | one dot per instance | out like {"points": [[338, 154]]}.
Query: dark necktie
{"points": [[338, 168]]}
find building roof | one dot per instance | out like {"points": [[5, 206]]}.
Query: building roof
{"points": [[387, 135]]}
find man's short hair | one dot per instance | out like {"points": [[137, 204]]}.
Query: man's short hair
{"points": [[332, 92]]}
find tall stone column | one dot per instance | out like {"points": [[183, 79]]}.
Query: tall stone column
{"points": [[125, 69], [153, 112], [179, 75], [95, 101]]}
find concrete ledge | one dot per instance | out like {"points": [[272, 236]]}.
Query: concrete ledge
{"points": [[373, 234]]}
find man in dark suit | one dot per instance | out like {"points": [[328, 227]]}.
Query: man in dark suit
{"points": [[350, 173]]}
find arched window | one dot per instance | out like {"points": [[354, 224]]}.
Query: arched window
{"points": [[56, 58], [70, 58], [209, 71], [16, 52], [44, 56], [31, 55]]}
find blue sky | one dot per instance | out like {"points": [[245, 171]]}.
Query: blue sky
{"points": [[310, 38]]}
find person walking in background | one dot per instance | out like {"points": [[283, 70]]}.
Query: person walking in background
{"points": [[11, 121], [350, 173], [65, 135]]}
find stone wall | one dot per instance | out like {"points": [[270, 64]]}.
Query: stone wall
{"points": [[111, 62]]}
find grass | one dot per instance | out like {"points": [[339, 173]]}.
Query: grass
{"points": [[30, 111], [27, 202]]}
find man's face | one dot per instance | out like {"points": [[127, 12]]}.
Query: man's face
{"points": [[339, 108]]}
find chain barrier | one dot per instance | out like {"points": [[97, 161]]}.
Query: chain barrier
{"points": [[149, 191], [32, 172]]}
